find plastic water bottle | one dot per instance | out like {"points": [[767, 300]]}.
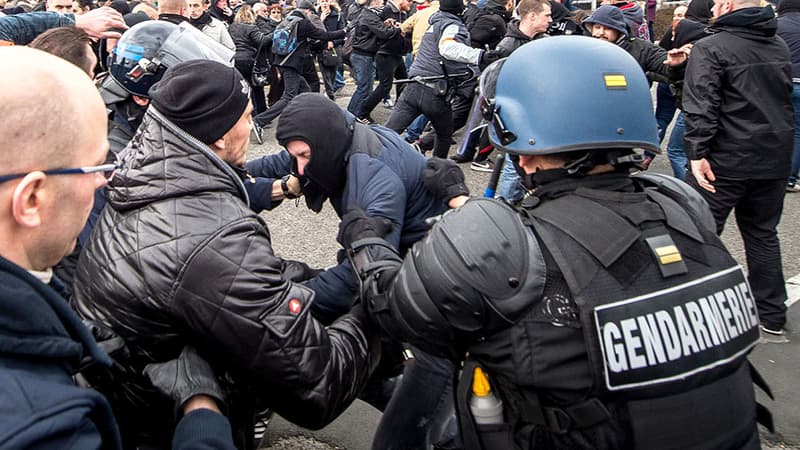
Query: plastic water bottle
{"points": [[486, 407]]}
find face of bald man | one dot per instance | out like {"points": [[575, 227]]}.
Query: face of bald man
{"points": [[42, 215]]}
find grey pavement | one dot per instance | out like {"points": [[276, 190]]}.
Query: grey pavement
{"points": [[298, 233]]}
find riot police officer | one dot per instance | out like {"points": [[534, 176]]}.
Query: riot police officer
{"points": [[605, 310]]}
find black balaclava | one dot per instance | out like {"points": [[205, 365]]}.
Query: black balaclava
{"points": [[316, 120]]}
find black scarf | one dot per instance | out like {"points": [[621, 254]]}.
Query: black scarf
{"points": [[201, 21]]}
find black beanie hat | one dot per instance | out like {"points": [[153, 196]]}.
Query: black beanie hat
{"points": [[451, 6], [788, 6], [203, 98]]}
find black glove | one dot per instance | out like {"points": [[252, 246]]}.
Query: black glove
{"points": [[444, 179], [356, 224], [185, 377], [488, 57]]}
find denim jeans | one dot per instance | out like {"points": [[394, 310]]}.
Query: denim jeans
{"points": [[339, 82], [665, 109], [796, 156], [508, 187], [675, 149], [416, 128], [364, 68]]}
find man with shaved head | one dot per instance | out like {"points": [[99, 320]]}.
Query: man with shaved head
{"points": [[47, 186], [175, 11]]}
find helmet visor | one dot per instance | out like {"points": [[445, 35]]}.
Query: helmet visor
{"points": [[188, 43]]}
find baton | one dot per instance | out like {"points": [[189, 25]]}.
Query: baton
{"points": [[495, 178], [418, 78]]}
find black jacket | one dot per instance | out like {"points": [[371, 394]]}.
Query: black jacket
{"points": [[305, 31], [737, 98], [651, 59], [399, 44], [514, 39], [789, 31], [248, 38], [371, 32], [335, 22], [178, 257]]}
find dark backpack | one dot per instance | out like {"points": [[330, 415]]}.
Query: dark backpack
{"points": [[284, 38]]}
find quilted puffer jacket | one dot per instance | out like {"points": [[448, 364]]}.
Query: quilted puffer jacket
{"points": [[177, 257]]}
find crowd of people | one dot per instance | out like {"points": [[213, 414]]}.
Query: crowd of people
{"points": [[143, 305]]}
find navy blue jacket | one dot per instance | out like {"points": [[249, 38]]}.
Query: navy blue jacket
{"points": [[385, 182], [789, 31], [42, 342]]}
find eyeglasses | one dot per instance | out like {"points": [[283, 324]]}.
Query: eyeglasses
{"points": [[108, 171]]}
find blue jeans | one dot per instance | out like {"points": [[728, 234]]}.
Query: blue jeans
{"points": [[675, 149], [423, 400], [508, 187], [364, 68], [665, 109], [414, 131], [796, 157], [338, 82]]}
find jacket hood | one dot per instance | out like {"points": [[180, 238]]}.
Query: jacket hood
{"points": [[162, 161], [303, 120], [688, 31], [755, 21], [37, 323], [699, 10]]}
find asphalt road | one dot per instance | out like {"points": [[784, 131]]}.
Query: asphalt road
{"points": [[298, 233]]}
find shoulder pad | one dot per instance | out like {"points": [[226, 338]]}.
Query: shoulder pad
{"points": [[484, 247], [694, 201]]}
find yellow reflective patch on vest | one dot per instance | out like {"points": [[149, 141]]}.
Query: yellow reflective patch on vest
{"points": [[615, 81]]}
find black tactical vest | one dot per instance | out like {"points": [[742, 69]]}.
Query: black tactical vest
{"points": [[641, 335]]}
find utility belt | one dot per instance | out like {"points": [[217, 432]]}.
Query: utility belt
{"points": [[669, 415]]}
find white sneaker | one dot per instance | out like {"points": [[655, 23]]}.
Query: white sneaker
{"points": [[388, 103]]}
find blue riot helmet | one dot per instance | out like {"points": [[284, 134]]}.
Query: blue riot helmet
{"points": [[565, 94], [148, 49]]}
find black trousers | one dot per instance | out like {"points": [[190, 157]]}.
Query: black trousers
{"points": [[387, 68], [293, 85], [417, 99], [461, 107], [757, 206]]}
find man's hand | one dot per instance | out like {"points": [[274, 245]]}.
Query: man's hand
{"points": [[185, 379], [488, 57], [356, 224], [444, 179], [678, 56], [98, 23], [702, 172]]}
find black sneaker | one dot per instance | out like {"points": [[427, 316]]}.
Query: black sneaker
{"points": [[482, 166], [459, 158], [772, 331], [259, 132]]}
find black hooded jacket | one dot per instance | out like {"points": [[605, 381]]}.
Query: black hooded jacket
{"points": [[737, 98]]}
